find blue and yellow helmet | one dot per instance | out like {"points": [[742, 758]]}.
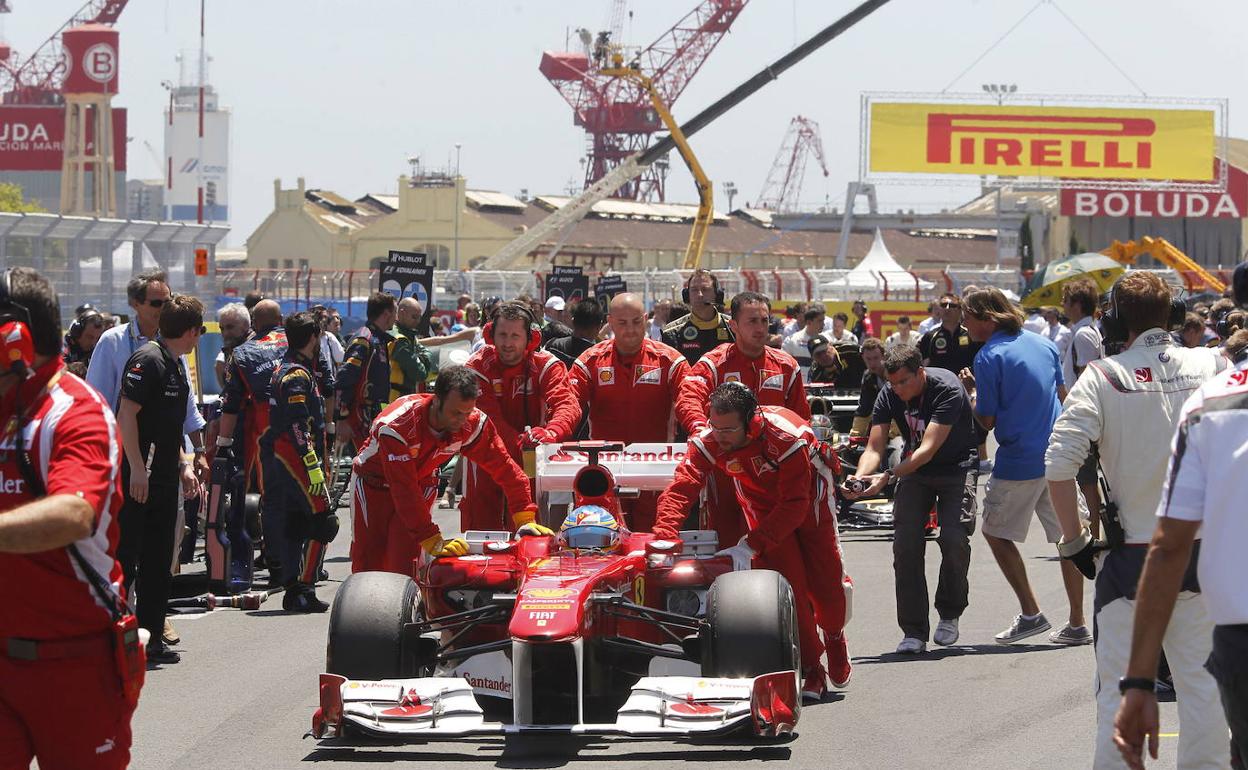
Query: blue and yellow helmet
{"points": [[590, 528]]}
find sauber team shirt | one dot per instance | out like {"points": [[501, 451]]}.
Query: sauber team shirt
{"points": [[1206, 483], [156, 381], [74, 448]]}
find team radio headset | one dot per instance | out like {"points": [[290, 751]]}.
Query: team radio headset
{"points": [[17, 357]]}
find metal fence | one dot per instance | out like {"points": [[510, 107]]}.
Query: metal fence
{"points": [[348, 290]]}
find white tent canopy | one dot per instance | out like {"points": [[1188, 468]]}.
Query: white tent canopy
{"points": [[876, 268]]}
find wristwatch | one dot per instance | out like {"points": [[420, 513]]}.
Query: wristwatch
{"points": [[1136, 683]]}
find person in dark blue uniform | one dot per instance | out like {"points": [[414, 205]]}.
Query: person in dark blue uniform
{"points": [[298, 522], [363, 386]]}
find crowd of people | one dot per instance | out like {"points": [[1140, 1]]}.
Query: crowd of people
{"points": [[104, 445]]}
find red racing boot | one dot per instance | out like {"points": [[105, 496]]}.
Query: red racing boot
{"points": [[839, 668], [814, 685]]}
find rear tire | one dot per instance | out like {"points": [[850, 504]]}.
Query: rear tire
{"points": [[751, 625], [366, 625]]}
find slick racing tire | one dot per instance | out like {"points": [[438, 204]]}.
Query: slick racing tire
{"points": [[751, 625], [366, 625]]}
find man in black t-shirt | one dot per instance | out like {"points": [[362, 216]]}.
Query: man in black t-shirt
{"points": [[949, 346], [154, 391], [932, 411]]}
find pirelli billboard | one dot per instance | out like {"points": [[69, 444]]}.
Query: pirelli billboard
{"points": [[1071, 143]]}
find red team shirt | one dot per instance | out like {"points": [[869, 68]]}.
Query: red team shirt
{"points": [[773, 478], [629, 399], [774, 377], [533, 393], [403, 453], [75, 448]]}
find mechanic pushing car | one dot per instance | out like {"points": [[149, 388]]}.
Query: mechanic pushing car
{"points": [[298, 522], [628, 384], [525, 393], [785, 491], [395, 478], [772, 375], [363, 386]]}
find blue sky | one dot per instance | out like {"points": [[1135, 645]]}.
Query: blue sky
{"points": [[343, 92]]}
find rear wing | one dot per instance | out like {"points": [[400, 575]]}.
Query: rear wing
{"points": [[636, 466]]}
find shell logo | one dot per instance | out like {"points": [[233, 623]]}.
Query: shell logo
{"points": [[606, 375], [549, 593], [733, 466]]}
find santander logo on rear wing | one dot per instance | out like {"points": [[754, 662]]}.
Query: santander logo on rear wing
{"points": [[639, 466]]}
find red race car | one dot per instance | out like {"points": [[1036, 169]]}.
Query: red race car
{"points": [[544, 634]]}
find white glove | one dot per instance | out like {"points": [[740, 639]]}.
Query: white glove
{"points": [[741, 553]]}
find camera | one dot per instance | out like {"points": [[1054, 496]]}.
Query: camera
{"points": [[857, 486]]}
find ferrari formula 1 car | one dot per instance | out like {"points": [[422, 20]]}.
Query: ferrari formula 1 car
{"points": [[545, 634]]}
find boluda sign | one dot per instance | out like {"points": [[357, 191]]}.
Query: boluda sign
{"points": [[1070, 142], [1230, 204], [31, 138]]}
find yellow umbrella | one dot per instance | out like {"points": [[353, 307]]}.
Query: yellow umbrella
{"points": [[1045, 287]]}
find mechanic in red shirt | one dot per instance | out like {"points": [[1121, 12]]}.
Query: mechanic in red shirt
{"points": [[525, 393], [772, 375], [784, 488], [395, 474], [628, 384], [64, 697]]}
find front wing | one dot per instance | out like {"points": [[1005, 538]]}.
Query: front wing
{"points": [[438, 708]]}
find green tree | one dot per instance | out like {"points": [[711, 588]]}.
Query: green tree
{"points": [[13, 201]]}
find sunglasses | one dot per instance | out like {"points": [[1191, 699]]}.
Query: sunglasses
{"points": [[950, 304], [157, 303]]}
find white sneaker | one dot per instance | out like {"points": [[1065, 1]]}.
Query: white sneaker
{"points": [[911, 646], [946, 632]]}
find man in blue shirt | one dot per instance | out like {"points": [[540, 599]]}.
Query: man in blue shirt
{"points": [[1016, 387], [147, 293]]}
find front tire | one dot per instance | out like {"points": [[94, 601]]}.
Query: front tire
{"points": [[366, 625], [751, 626]]}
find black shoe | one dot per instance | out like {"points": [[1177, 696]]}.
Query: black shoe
{"points": [[302, 598], [160, 654]]}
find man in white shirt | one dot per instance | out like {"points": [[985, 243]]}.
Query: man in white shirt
{"points": [[1204, 492], [659, 315], [839, 334], [1035, 321], [797, 343], [1057, 332], [903, 335], [1130, 400], [934, 318]]}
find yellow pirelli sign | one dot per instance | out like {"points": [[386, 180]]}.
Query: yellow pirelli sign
{"points": [[1069, 142]]}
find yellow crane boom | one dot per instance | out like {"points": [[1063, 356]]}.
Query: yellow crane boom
{"points": [[706, 197], [1169, 255]]}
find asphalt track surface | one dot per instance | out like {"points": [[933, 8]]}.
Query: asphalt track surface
{"points": [[244, 693]]}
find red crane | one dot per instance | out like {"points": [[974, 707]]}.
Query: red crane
{"points": [[616, 113], [784, 181], [38, 79]]}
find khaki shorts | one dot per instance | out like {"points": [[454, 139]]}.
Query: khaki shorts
{"points": [[1008, 506]]}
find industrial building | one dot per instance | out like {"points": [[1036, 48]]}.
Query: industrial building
{"points": [[459, 228]]}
